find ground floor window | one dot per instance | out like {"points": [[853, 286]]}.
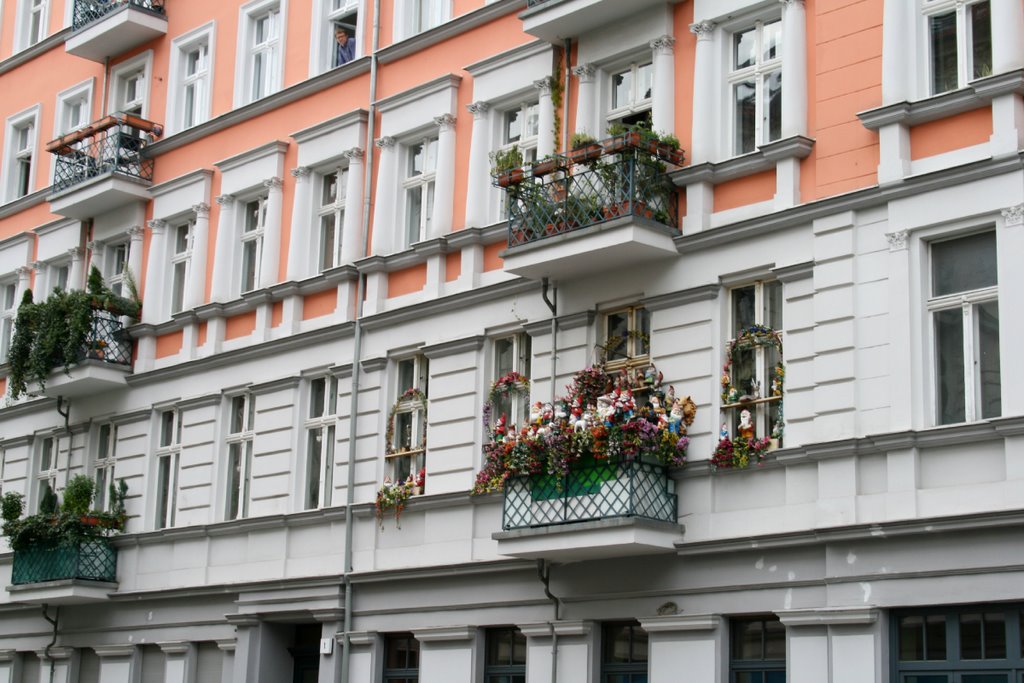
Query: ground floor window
{"points": [[506, 656], [623, 653], [758, 651], [401, 658], [977, 644]]}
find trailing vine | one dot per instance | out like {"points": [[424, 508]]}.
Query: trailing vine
{"points": [[413, 394], [557, 93]]}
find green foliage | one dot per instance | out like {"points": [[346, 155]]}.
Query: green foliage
{"points": [[48, 504], [506, 159], [117, 495], [670, 140], [53, 333], [78, 495], [12, 505], [579, 140], [616, 129], [557, 93]]}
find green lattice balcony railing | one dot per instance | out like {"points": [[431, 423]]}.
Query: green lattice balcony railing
{"points": [[601, 491], [93, 560]]}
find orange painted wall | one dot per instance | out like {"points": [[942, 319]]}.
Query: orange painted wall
{"points": [[742, 191], [452, 266], [492, 256], [955, 132], [240, 325], [201, 334], [169, 344], [844, 77], [407, 281], [321, 303], [276, 313]]}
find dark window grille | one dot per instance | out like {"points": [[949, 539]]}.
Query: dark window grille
{"points": [[758, 652], [506, 656], [624, 653], [93, 560], [115, 145], [401, 658], [88, 11]]}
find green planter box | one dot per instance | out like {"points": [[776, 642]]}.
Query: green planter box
{"points": [[94, 560]]}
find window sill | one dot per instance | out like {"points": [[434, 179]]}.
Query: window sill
{"points": [[763, 159], [978, 94]]}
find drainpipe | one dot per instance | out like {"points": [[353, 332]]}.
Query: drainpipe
{"points": [[53, 641], [357, 343], [552, 304], [106, 84], [544, 572]]}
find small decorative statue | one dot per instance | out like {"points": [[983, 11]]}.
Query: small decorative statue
{"points": [[723, 433], [755, 389], [746, 427]]}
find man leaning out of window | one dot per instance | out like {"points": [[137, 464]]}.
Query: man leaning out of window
{"points": [[345, 44]]}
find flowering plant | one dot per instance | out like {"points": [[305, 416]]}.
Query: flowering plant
{"points": [[739, 453], [412, 394], [394, 495], [600, 419]]}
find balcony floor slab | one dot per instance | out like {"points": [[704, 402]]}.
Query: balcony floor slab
{"points": [[603, 538], [99, 195], [555, 20], [611, 245], [87, 377], [115, 33], [65, 592]]}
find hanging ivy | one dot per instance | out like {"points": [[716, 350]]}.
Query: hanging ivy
{"points": [[410, 395]]}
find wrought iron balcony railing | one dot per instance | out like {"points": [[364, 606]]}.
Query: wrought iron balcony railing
{"points": [[537, 3], [629, 489], [88, 11], [107, 340], [114, 144], [580, 191], [91, 560]]}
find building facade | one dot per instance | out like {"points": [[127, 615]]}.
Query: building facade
{"points": [[299, 192]]}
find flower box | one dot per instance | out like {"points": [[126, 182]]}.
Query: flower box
{"points": [[511, 177]]}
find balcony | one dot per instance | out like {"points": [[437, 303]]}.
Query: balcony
{"points": [[63, 574], [603, 510], [555, 20], [102, 166], [107, 28], [607, 206]]}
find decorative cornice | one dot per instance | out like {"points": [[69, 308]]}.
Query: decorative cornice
{"points": [[358, 637], [354, 155], [663, 45], [762, 159], [681, 297], [446, 122], [385, 142], [136, 232], [274, 147], [415, 94], [543, 85], [1013, 216], [703, 30], [897, 240], [561, 628], [27, 202], [273, 183], [828, 616], [797, 271], [283, 384], [175, 647], [451, 348], [242, 620], [226, 644], [329, 615], [584, 72], [56, 653], [201, 210], [374, 364], [157, 225], [200, 175], [478, 109], [226, 199], [513, 57], [300, 172], [678, 622], [114, 651], [442, 634]]}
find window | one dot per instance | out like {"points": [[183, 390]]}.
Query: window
{"points": [[168, 454], [131, 91], [627, 335], [22, 157], [264, 53], [755, 81], [520, 127], [421, 169], [959, 43], [421, 15], [253, 222], [74, 110], [512, 354], [631, 94], [758, 651], [964, 309], [60, 274], [342, 22], [754, 364], [106, 446], [320, 425], [240, 437], [46, 474], [182, 250], [506, 656], [195, 65], [8, 298], [116, 265], [332, 217], [401, 658], [623, 653], [32, 23], [409, 431], [974, 644]]}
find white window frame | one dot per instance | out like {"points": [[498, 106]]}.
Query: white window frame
{"points": [[322, 425], [46, 474], [239, 444], [248, 14], [761, 412], [527, 143], [115, 278], [81, 94], [27, 9], [964, 41], [205, 35], [967, 302], [104, 462], [636, 104], [424, 182], [634, 356], [321, 42], [247, 237], [168, 463], [522, 362], [14, 155], [181, 258], [408, 13], [758, 72], [335, 209], [413, 458], [119, 76], [8, 312]]}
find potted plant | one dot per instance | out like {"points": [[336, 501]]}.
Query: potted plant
{"points": [[549, 164], [78, 495], [583, 148], [669, 150], [620, 138], [506, 166]]}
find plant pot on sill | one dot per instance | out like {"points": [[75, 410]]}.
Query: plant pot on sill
{"points": [[89, 520], [511, 177], [417, 490], [773, 445], [586, 153], [542, 168]]}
